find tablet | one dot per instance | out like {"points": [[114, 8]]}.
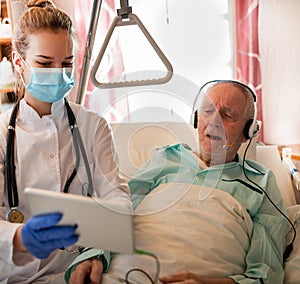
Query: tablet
{"points": [[102, 224]]}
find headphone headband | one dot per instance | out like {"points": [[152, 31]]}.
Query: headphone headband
{"points": [[251, 129]]}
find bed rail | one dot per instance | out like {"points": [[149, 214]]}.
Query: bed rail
{"points": [[289, 164]]}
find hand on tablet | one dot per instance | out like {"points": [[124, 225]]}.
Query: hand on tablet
{"points": [[41, 235]]}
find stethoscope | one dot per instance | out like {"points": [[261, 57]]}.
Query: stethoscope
{"points": [[15, 215]]}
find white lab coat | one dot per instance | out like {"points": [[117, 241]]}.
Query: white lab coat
{"points": [[44, 158]]}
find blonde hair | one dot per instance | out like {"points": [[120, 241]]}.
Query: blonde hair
{"points": [[41, 15]]}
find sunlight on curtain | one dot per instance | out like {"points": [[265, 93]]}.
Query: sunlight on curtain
{"points": [[247, 49], [112, 66], [81, 18]]}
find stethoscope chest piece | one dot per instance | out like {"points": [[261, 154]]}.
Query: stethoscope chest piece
{"points": [[15, 216]]}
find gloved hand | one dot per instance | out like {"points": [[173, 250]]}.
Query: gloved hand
{"points": [[41, 235]]}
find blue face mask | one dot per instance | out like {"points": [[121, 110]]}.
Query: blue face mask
{"points": [[50, 84]]}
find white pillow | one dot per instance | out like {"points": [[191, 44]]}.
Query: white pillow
{"points": [[136, 142], [269, 156]]}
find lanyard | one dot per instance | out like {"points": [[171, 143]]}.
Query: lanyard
{"points": [[15, 215]]}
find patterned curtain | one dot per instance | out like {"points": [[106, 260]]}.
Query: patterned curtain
{"points": [[247, 56], [81, 17], [115, 66]]}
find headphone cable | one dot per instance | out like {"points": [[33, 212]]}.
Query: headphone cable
{"points": [[289, 247], [152, 281]]}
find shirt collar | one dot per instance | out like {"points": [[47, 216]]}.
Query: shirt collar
{"points": [[237, 163], [26, 111]]}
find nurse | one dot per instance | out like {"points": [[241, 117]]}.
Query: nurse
{"points": [[50, 143]]}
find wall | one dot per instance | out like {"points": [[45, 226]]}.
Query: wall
{"points": [[280, 65]]}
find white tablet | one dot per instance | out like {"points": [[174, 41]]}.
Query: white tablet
{"points": [[101, 224]]}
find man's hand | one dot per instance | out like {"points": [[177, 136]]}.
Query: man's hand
{"points": [[186, 277], [89, 270]]}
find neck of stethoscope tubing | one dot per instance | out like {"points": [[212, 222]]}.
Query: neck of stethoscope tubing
{"points": [[78, 145], [77, 163], [78, 139], [10, 175], [12, 192]]}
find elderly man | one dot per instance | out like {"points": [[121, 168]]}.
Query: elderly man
{"points": [[211, 214]]}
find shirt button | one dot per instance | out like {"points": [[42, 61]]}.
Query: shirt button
{"points": [[48, 123], [51, 156]]}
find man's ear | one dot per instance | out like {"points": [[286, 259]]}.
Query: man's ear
{"points": [[17, 62], [244, 139]]}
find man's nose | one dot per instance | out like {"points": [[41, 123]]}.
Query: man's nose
{"points": [[215, 119]]}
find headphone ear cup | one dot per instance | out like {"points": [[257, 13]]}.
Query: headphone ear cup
{"points": [[247, 128], [196, 119], [251, 129]]}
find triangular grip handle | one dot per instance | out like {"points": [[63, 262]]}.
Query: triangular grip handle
{"points": [[133, 20]]}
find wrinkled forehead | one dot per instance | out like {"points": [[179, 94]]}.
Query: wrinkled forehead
{"points": [[225, 95]]}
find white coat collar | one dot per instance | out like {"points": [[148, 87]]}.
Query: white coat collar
{"points": [[27, 112]]}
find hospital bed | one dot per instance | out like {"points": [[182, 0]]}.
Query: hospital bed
{"points": [[136, 142]]}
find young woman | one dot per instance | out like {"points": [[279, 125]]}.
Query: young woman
{"points": [[49, 143]]}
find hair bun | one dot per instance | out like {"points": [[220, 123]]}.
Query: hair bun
{"points": [[39, 3]]}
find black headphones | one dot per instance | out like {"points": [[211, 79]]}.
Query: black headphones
{"points": [[251, 128]]}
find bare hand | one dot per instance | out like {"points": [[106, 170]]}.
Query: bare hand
{"points": [[186, 277], [89, 270]]}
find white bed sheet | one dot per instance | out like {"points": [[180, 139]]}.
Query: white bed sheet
{"points": [[209, 237]]}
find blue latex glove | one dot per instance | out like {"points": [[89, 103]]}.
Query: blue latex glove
{"points": [[41, 235]]}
